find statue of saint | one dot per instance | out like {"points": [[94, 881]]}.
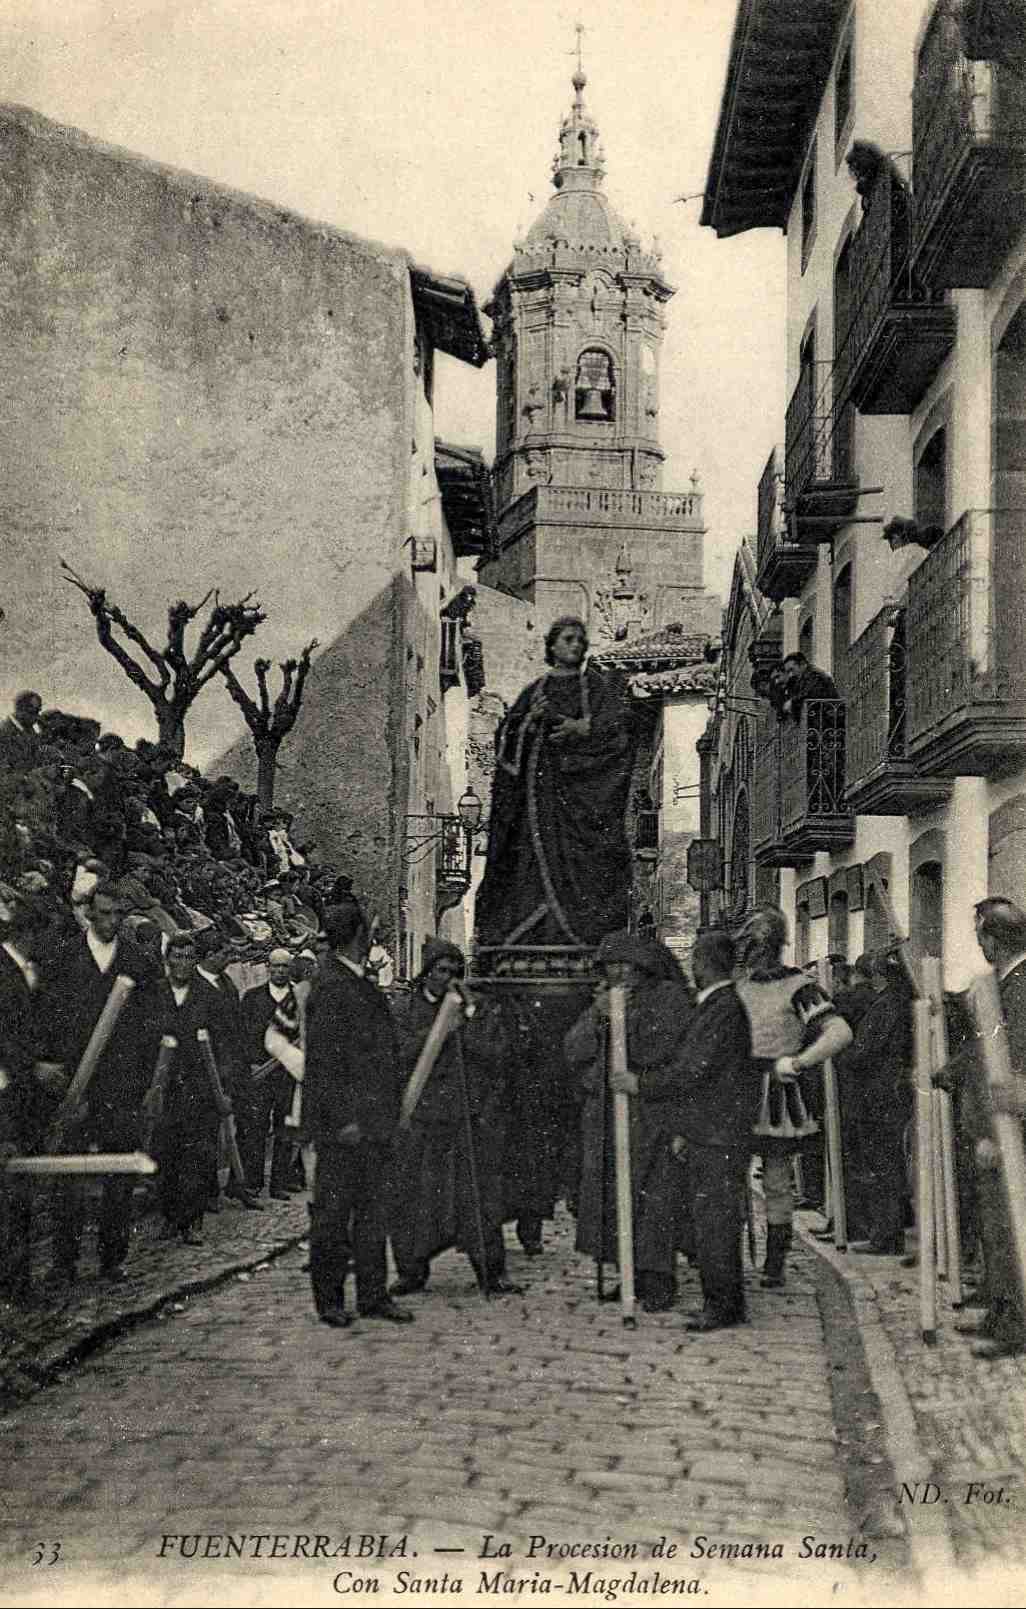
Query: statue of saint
{"points": [[559, 866]]}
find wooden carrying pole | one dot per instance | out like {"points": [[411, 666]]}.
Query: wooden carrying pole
{"points": [[1007, 1099], [228, 1139], [622, 1153], [448, 1013], [97, 1044], [925, 1210], [91, 1162], [832, 1114], [153, 1105], [946, 1203]]}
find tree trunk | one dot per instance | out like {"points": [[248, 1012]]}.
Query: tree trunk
{"points": [[267, 766], [171, 729]]}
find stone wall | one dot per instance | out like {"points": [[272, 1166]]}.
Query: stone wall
{"points": [[199, 389]]}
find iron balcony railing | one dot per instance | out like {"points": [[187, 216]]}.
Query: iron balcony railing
{"points": [[765, 794], [812, 764], [770, 527], [880, 265], [875, 725], [957, 104], [966, 646], [819, 433]]}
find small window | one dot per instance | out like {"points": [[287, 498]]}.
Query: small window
{"points": [[843, 87], [809, 208]]}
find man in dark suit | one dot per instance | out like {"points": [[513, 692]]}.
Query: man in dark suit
{"points": [[1001, 933], [74, 991], [719, 1102], [352, 1084], [29, 1090], [185, 1144], [267, 1100], [20, 743], [212, 956]]}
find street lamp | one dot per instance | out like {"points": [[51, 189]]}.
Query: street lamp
{"points": [[469, 808]]}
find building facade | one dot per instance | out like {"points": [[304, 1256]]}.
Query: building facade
{"points": [[892, 528], [201, 390]]}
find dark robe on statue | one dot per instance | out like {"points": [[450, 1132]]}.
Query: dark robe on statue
{"points": [[559, 867], [658, 1014], [432, 1195]]}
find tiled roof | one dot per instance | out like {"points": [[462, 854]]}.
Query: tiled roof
{"points": [[669, 645]]}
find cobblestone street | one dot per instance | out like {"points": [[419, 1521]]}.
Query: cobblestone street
{"points": [[536, 1422]]}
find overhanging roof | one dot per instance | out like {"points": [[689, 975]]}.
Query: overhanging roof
{"points": [[465, 485], [447, 308], [780, 58]]}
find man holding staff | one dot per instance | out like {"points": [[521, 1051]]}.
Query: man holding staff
{"points": [[352, 1086], [78, 986], [447, 1183], [266, 1088], [658, 1013]]}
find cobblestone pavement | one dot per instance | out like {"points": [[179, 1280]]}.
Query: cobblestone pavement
{"points": [[37, 1340], [538, 1422], [970, 1416]]}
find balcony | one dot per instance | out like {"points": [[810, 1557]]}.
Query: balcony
{"points": [[798, 804], [967, 648], [881, 779], [783, 566], [969, 158], [898, 336], [820, 491]]}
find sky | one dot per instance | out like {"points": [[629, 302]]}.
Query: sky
{"points": [[433, 127]]}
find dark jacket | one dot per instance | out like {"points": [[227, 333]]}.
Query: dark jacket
{"points": [[26, 1106], [879, 1059], [257, 1009], [812, 683], [189, 1097], [73, 993], [20, 750], [353, 1072], [719, 1089], [222, 1002]]}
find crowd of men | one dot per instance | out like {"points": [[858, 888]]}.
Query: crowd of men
{"points": [[310, 1074]]}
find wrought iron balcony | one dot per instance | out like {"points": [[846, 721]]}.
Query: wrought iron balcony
{"points": [[820, 491], [881, 779], [967, 648], [899, 335], [784, 566], [798, 804], [968, 157]]}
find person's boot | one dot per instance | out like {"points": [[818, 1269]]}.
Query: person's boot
{"points": [[529, 1233], [778, 1244]]}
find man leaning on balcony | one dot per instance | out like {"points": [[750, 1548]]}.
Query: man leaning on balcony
{"points": [[803, 681]]}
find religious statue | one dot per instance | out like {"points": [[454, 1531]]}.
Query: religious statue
{"points": [[559, 866]]}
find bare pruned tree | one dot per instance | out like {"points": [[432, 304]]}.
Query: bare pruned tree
{"points": [[170, 677], [271, 724]]}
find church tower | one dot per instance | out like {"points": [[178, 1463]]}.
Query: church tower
{"points": [[584, 525]]}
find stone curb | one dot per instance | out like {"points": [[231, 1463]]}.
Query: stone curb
{"points": [[929, 1539], [51, 1361]]}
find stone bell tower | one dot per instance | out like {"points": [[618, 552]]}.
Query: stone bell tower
{"points": [[584, 525]]}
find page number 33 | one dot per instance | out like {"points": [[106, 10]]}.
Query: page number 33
{"points": [[46, 1553]]}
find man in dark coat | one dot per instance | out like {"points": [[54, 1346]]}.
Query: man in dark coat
{"points": [[212, 954], [30, 1090], [852, 1003], [1001, 933], [878, 1072], [75, 985], [20, 743], [447, 1180], [264, 1099], [803, 681], [352, 1087], [658, 1013], [718, 1104], [185, 1143]]}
